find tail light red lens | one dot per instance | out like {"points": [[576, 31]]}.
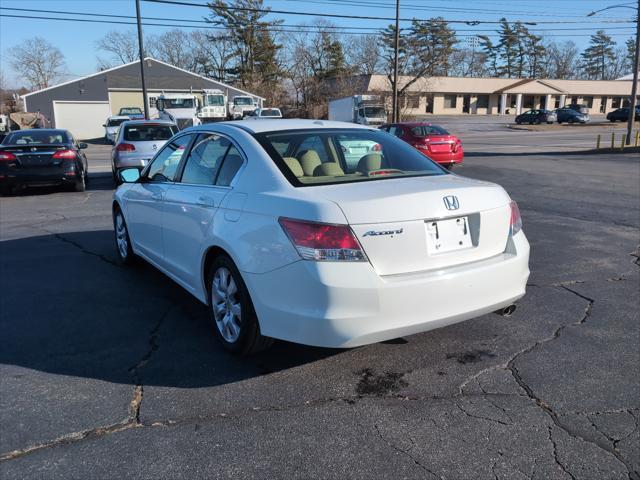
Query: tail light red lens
{"points": [[7, 157], [125, 147], [65, 154], [322, 241], [516, 220]]}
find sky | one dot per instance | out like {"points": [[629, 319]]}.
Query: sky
{"points": [[77, 40]]}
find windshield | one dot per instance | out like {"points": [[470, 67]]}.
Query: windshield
{"points": [[215, 100], [179, 102], [116, 122], [34, 137], [130, 111], [270, 112], [373, 112], [425, 130], [320, 157], [149, 132], [243, 101]]}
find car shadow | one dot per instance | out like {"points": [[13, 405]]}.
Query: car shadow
{"points": [[68, 308]]}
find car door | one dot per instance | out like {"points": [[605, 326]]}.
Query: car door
{"points": [[145, 199], [191, 203]]}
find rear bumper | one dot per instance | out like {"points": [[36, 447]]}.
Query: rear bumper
{"points": [[346, 305], [35, 178], [445, 157], [131, 161]]}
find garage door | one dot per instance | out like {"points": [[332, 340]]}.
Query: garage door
{"points": [[83, 119]]}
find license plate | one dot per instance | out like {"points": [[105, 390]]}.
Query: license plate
{"points": [[448, 235], [358, 149]]}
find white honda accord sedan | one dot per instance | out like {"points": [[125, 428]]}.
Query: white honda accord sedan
{"points": [[269, 225]]}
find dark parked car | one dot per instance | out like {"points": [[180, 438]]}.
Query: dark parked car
{"points": [[567, 115], [578, 107], [42, 157], [622, 114], [536, 116]]}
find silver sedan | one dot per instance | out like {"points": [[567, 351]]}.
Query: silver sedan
{"points": [[137, 142]]}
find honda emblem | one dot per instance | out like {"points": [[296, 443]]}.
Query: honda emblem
{"points": [[451, 202]]}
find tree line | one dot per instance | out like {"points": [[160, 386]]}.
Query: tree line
{"points": [[303, 66]]}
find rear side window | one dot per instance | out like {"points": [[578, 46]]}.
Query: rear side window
{"points": [[425, 130], [149, 132], [205, 159], [232, 163]]}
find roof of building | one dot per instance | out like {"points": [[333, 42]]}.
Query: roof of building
{"points": [[120, 78], [503, 85]]}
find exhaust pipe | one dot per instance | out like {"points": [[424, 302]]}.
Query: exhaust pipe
{"points": [[507, 311]]}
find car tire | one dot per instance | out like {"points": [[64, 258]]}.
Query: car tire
{"points": [[123, 241], [234, 320], [81, 185]]}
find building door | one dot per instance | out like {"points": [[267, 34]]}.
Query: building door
{"points": [[429, 106], [466, 103], [83, 119]]}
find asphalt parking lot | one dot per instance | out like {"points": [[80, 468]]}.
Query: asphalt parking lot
{"points": [[113, 372]]}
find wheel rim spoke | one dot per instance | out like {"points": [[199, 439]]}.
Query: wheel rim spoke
{"points": [[227, 310]]}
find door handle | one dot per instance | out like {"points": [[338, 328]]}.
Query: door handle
{"points": [[205, 201]]}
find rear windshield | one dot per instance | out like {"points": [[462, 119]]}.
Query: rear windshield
{"points": [[35, 137], [116, 122], [272, 112], [130, 111], [142, 133], [424, 130], [320, 157]]}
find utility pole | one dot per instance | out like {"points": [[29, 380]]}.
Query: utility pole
{"points": [[395, 116], [636, 66], [634, 87], [141, 50]]}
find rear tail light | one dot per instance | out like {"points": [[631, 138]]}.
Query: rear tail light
{"points": [[125, 147], [322, 241], [7, 157], [456, 145], [65, 154], [376, 148], [515, 224]]}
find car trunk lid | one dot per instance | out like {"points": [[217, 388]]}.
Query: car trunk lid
{"points": [[424, 223], [33, 156], [438, 143]]}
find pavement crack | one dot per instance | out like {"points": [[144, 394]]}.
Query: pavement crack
{"points": [[480, 417], [555, 455], [138, 391], [406, 453], [133, 417], [62, 238]]}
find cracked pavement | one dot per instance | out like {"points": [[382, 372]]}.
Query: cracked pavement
{"points": [[111, 372]]}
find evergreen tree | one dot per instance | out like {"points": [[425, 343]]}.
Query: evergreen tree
{"points": [[597, 57], [491, 54], [435, 42], [630, 45], [508, 49]]}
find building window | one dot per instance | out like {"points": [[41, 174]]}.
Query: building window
{"points": [[603, 104], [412, 101], [482, 101], [450, 101], [588, 101], [527, 101], [429, 104], [616, 102], [556, 103]]}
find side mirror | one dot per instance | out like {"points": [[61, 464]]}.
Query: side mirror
{"points": [[82, 145], [129, 175]]}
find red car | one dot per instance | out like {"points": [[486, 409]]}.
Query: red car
{"points": [[434, 141]]}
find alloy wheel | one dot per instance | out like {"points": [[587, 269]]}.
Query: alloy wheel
{"points": [[121, 236], [225, 302]]}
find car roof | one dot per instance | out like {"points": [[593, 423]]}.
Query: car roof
{"points": [[143, 122], [43, 130], [413, 124], [117, 117], [270, 125]]}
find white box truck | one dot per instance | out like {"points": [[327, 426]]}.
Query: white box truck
{"points": [[214, 106], [362, 109]]}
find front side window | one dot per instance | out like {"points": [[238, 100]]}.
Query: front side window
{"points": [[350, 155], [164, 166], [205, 158], [215, 100], [179, 103]]}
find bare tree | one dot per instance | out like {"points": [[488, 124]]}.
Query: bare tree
{"points": [[363, 54], [468, 62], [122, 46], [213, 54], [175, 47], [563, 60], [37, 61]]}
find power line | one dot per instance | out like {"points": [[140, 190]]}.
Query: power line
{"points": [[271, 29], [362, 17], [314, 27]]}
